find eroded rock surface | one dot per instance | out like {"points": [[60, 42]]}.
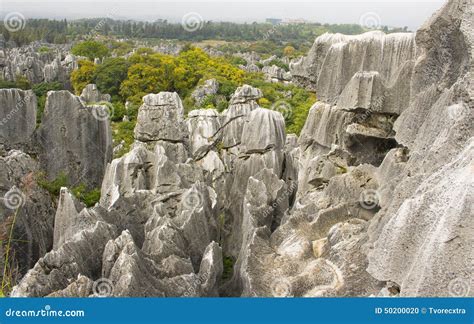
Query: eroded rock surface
{"points": [[75, 139], [373, 199]]}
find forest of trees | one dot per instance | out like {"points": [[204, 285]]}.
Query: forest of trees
{"points": [[62, 31]]}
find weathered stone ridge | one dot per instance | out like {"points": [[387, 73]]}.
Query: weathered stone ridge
{"points": [[374, 198], [75, 139]]}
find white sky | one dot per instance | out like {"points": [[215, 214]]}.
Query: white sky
{"points": [[391, 12]]}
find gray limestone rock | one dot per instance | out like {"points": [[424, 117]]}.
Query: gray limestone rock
{"points": [[75, 140], [161, 117], [372, 199], [209, 88], [90, 94], [17, 116]]}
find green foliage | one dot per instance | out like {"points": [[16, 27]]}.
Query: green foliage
{"points": [[121, 48], [83, 76], [295, 101], [154, 72], [109, 75], [88, 196], [62, 31], [119, 111], [41, 91], [289, 51], [228, 267], [90, 49], [54, 186], [51, 31], [44, 49], [7, 84], [123, 132], [21, 82], [237, 61]]}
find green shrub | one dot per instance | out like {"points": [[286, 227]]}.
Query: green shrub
{"points": [[228, 267], [44, 49], [123, 131], [54, 186], [88, 196], [21, 82], [90, 49]]}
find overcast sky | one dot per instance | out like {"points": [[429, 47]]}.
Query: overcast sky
{"points": [[390, 12]]}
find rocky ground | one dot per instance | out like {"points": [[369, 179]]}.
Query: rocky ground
{"points": [[373, 198]]}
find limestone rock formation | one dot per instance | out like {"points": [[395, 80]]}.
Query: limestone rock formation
{"points": [[28, 61], [90, 94], [276, 74], [373, 198], [209, 88], [75, 139], [25, 206], [421, 133], [17, 116], [160, 118]]}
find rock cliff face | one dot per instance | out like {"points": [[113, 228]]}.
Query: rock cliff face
{"points": [[417, 233], [72, 139], [75, 139], [373, 198], [17, 116]]}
